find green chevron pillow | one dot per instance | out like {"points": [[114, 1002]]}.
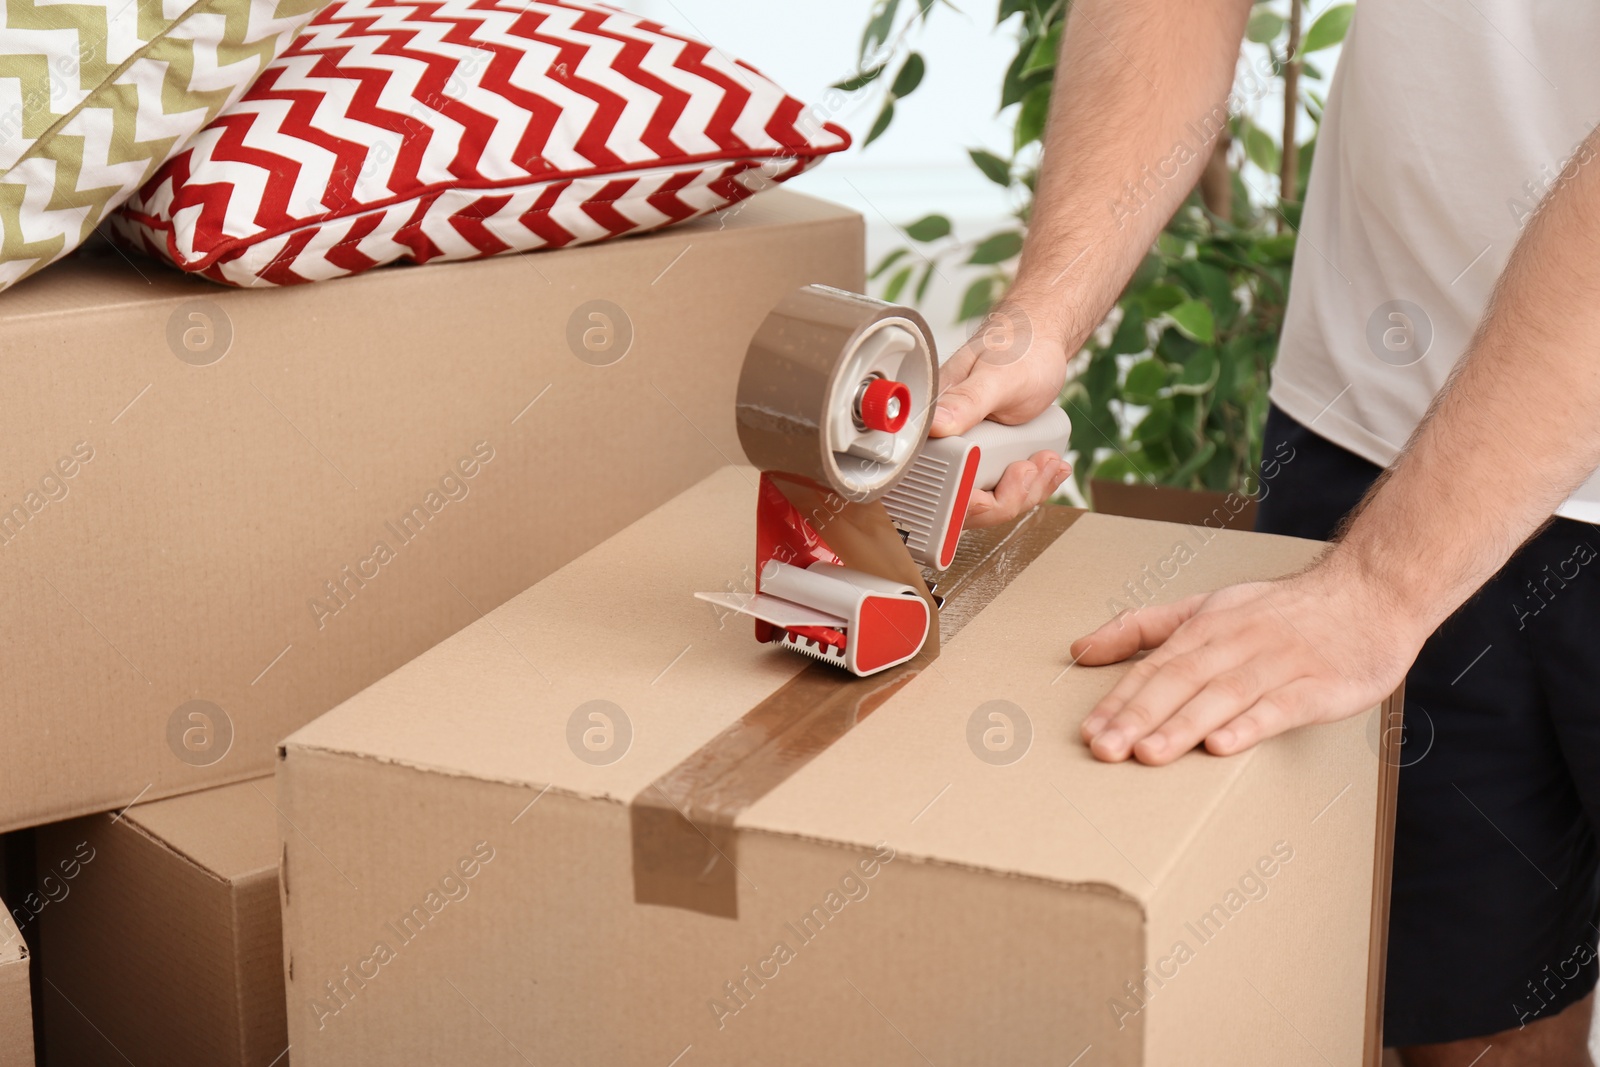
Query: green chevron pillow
{"points": [[96, 94]]}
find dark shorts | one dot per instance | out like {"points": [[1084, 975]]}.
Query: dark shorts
{"points": [[1492, 921]]}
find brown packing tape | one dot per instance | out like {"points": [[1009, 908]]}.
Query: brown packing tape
{"points": [[791, 379], [685, 841], [863, 537]]}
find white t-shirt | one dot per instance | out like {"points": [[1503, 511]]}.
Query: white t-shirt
{"points": [[1445, 125]]}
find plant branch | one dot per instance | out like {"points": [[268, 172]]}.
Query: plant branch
{"points": [[1289, 175]]}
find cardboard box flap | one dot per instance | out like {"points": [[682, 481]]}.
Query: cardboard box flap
{"points": [[956, 800], [229, 832], [495, 700], [511, 698]]}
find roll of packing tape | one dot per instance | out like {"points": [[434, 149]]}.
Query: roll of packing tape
{"points": [[838, 388]]}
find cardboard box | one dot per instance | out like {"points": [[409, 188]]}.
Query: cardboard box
{"points": [[165, 947], [921, 866], [238, 508], [16, 1004]]}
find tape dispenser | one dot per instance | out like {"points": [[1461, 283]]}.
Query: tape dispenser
{"points": [[857, 507]]}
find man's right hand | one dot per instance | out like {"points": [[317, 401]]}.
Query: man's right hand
{"points": [[1007, 373]]}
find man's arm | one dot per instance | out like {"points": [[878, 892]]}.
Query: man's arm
{"points": [[1514, 431], [1135, 79]]}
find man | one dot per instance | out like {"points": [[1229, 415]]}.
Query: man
{"points": [[1446, 125]]}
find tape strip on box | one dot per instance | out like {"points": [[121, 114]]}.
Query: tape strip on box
{"points": [[685, 844]]}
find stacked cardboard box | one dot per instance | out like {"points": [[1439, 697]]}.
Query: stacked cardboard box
{"points": [[164, 946], [604, 825], [601, 800], [226, 511]]}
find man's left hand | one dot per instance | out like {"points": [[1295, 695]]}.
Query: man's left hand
{"points": [[1233, 667]]}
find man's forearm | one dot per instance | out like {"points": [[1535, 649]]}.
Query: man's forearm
{"points": [[1513, 433], [1137, 105]]}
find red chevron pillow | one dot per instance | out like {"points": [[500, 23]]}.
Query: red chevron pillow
{"points": [[463, 128]]}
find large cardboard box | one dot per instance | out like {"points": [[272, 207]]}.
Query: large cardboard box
{"points": [[16, 1011], [165, 947], [222, 512], [605, 826]]}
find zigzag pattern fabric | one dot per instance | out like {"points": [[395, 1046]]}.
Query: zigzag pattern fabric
{"points": [[459, 129], [96, 94]]}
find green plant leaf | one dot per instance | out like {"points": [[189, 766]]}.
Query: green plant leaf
{"points": [[1009, 8], [1099, 385], [878, 25], [1174, 347], [1030, 121], [881, 123], [1264, 25], [861, 80], [1328, 30], [929, 228], [1043, 54], [910, 76], [1213, 285], [1156, 424], [1088, 434], [978, 299], [997, 248], [927, 277], [994, 168], [1145, 274], [1199, 373], [1120, 467], [1219, 471], [891, 292], [1130, 337], [1144, 382], [1308, 152], [1187, 411], [1185, 472], [1261, 148], [1160, 298], [888, 261], [1015, 85], [1193, 320], [1276, 249]]}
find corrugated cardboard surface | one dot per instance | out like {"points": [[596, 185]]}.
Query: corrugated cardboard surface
{"points": [[16, 1012], [166, 947], [1021, 909], [209, 508]]}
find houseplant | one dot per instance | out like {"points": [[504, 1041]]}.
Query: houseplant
{"points": [[1172, 390]]}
